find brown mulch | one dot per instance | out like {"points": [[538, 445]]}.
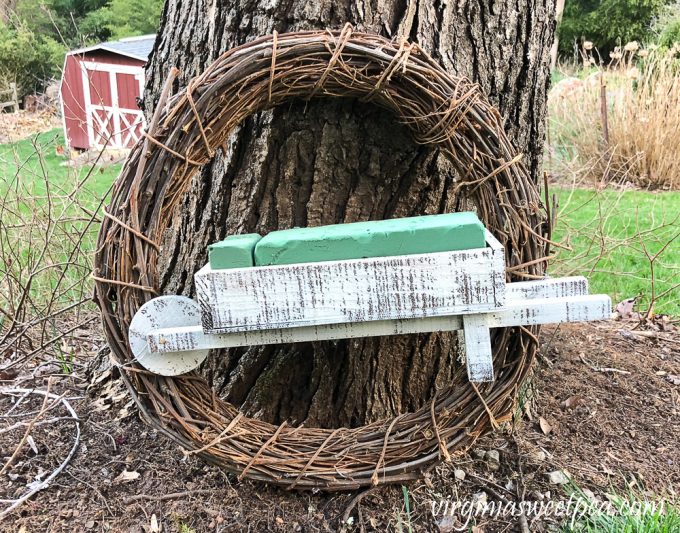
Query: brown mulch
{"points": [[17, 126], [604, 407]]}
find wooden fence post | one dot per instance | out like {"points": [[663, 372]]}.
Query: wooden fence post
{"points": [[15, 97]]}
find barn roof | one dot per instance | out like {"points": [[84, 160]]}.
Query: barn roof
{"points": [[134, 47]]}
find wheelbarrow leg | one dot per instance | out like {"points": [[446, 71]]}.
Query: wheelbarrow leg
{"points": [[477, 343]]}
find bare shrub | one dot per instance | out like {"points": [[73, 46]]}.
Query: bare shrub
{"points": [[48, 227], [625, 242]]}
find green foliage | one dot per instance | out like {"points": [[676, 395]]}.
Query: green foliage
{"points": [[81, 22], [66, 21], [607, 23], [668, 26], [28, 58], [39, 32], [670, 34], [126, 18]]}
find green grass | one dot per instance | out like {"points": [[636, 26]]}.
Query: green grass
{"points": [[25, 163], [621, 514], [609, 232]]}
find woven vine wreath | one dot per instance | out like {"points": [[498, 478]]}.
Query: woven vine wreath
{"points": [[442, 111]]}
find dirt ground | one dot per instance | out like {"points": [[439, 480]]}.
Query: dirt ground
{"points": [[603, 408]]}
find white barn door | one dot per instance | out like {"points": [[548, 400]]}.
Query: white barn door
{"points": [[113, 119]]}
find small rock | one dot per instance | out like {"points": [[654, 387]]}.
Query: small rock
{"points": [[459, 474], [447, 524], [154, 527], [558, 477], [493, 460], [537, 456], [89, 524], [590, 494], [480, 499], [479, 453]]}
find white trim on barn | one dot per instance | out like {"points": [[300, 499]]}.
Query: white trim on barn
{"points": [[112, 113], [88, 105], [67, 140], [111, 67]]}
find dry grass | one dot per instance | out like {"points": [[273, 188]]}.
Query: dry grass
{"points": [[640, 91]]}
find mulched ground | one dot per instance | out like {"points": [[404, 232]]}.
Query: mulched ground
{"points": [[17, 126], [604, 406]]}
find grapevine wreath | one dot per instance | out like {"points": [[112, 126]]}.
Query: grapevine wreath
{"points": [[442, 111]]}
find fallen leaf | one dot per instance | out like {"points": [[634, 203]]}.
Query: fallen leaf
{"points": [[573, 401], [545, 426], [672, 378], [447, 524], [8, 375], [31, 443], [625, 309], [558, 477], [126, 476]]}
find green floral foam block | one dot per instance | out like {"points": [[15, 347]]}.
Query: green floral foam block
{"points": [[236, 251], [400, 236]]}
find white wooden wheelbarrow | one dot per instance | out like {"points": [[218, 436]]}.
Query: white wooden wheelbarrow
{"points": [[457, 290]]}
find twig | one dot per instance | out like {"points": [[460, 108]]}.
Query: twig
{"points": [[29, 427], [354, 501], [45, 483], [17, 425], [601, 368]]}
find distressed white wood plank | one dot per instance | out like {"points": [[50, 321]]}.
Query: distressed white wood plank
{"points": [[477, 342], [547, 288], [518, 312], [359, 290]]}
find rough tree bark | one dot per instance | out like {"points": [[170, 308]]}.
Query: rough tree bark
{"points": [[326, 162]]}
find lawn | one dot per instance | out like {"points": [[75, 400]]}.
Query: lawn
{"points": [[24, 164], [612, 233]]}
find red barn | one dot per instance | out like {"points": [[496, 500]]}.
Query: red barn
{"points": [[99, 91]]}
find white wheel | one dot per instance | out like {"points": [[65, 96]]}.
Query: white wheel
{"points": [[165, 312]]}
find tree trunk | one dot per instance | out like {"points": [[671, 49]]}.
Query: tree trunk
{"points": [[324, 162]]}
